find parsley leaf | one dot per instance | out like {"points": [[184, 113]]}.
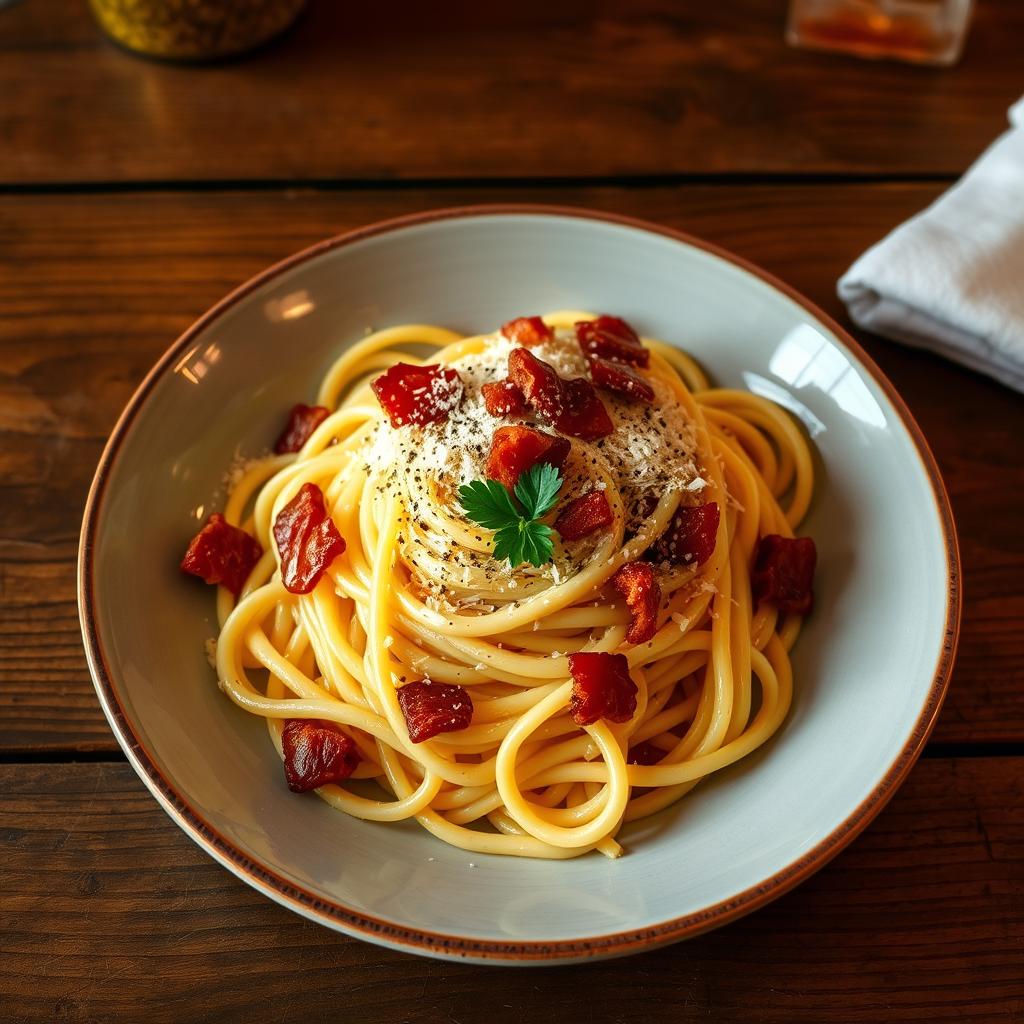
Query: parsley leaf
{"points": [[506, 542], [519, 536], [538, 489], [488, 503], [537, 543], [525, 541]]}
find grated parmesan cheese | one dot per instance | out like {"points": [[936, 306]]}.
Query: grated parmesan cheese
{"points": [[651, 451]]}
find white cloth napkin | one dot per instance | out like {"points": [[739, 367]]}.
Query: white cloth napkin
{"points": [[951, 279]]}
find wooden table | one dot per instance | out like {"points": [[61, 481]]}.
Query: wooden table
{"points": [[134, 194]]}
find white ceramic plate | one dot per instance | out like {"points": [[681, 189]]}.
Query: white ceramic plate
{"points": [[871, 665]]}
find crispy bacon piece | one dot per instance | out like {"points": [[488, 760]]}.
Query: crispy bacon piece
{"points": [[222, 553], [645, 752], [784, 573], [302, 421], [316, 753], [571, 406], [503, 398], [537, 380], [601, 688], [611, 338], [689, 538], [433, 708], [639, 585], [528, 331], [516, 449], [583, 515], [621, 379], [418, 394], [307, 540], [583, 413]]}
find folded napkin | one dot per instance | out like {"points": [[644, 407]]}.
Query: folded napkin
{"points": [[951, 279]]}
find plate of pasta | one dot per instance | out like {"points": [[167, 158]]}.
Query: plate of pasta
{"points": [[519, 584]]}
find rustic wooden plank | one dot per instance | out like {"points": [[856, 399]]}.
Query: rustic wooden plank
{"points": [[372, 91], [922, 919], [92, 289]]}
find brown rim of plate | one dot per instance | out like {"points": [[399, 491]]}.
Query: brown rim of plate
{"points": [[452, 946]]}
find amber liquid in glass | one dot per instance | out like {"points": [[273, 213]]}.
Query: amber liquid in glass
{"points": [[922, 31]]}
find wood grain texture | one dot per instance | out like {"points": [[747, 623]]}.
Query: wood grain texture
{"points": [[922, 919], [107, 911], [407, 90], [93, 289]]}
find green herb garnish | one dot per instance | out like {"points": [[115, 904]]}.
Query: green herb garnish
{"points": [[519, 535]]}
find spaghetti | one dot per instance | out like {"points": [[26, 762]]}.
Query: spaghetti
{"points": [[417, 595]]}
